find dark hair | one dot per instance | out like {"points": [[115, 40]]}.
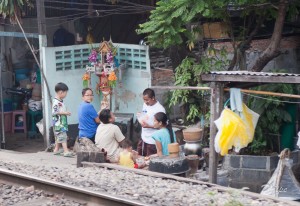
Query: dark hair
{"points": [[126, 143], [162, 117], [61, 87], [104, 116], [149, 92], [84, 91]]}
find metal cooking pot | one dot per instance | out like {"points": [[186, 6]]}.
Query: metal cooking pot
{"points": [[193, 148]]}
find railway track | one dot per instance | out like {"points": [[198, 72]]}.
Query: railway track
{"points": [[125, 186], [81, 195]]}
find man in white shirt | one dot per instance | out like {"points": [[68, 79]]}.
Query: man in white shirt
{"points": [[151, 106]]}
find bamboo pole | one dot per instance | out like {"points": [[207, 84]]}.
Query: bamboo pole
{"points": [[180, 88], [267, 93], [228, 89]]}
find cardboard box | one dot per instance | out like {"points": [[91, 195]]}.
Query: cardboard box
{"points": [[215, 30]]}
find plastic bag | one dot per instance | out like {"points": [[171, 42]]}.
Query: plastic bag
{"points": [[298, 142], [144, 118], [40, 126], [283, 183], [235, 130]]}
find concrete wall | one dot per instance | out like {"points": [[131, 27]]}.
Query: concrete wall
{"points": [[165, 77], [255, 171], [134, 77], [289, 60]]}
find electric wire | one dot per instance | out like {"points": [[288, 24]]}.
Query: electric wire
{"points": [[80, 17], [274, 100], [120, 10], [125, 8], [101, 4]]}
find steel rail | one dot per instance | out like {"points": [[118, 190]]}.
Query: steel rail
{"points": [[75, 193], [188, 180]]}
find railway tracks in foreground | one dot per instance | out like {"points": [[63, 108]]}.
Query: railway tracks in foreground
{"points": [[81, 195], [93, 198]]}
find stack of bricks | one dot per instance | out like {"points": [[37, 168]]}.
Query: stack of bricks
{"points": [[87, 151]]}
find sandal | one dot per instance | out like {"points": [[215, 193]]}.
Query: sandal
{"points": [[57, 153], [68, 154]]}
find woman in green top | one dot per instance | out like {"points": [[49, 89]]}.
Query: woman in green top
{"points": [[164, 135]]}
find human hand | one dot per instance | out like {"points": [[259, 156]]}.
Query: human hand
{"points": [[68, 113], [144, 124], [134, 152]]}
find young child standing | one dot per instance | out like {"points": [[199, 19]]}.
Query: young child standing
{"points": [[165, 135], [127, 157], [59, 117]]}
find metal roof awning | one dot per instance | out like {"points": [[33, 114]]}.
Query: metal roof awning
{"points": [[18, 34], [244, 77], [239, 79]]}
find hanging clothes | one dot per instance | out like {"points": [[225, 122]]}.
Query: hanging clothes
{"points": [[236, 101]]}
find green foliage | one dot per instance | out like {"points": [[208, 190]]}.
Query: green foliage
{"points": [[272, 116], [168, 24], [196, 102], [12, 7]]}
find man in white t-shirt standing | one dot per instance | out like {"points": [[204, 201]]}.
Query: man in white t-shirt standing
{"points": [[151, 106]]}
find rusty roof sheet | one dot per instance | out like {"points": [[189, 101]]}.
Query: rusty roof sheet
{"points": [[252, 73]]}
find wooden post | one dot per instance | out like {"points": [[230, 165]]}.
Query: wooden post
{"points": [[216, 104], [40, 6]]}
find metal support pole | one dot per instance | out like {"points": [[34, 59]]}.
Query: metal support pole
{"points": [[43, 43], [2, 111]]}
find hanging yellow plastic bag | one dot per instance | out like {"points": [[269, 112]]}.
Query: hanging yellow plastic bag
{"points": [[235, 130]]}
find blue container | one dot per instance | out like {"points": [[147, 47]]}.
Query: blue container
{"points": [[7, 105], [20, 77], [22, 71], [21, 74]]}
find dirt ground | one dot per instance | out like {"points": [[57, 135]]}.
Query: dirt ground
{"points": [[20, 143], [32, 151]]}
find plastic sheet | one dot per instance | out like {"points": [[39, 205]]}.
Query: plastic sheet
{"points": [[283, 183], [235, 130]]}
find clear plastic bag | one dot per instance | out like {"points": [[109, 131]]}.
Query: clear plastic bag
{"points": [[40, 126]]}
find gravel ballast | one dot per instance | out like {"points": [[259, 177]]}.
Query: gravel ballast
{"points": [[18, 195], [146, 189]]}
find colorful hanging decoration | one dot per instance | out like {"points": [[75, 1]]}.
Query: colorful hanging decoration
{"points": [[85, 80], [112, 79], [103, 63], [93, 57]]}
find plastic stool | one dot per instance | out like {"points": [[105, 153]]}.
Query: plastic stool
{"points": [[13, 125], [7, 121], [33, 118]]}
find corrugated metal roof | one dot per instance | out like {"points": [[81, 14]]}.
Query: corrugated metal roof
{"points": [[252, 73]]}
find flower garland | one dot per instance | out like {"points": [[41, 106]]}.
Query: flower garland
{"points": [[112, 79], [86, 77], [93, 57]]}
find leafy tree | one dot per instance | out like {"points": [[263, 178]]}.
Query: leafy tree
{"points": [[195, 103], [169, 24], [13, 8], [174, 26], [273, 114]]}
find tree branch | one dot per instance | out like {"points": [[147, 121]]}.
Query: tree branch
{"points": [[243, 46], [273, 49]]}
